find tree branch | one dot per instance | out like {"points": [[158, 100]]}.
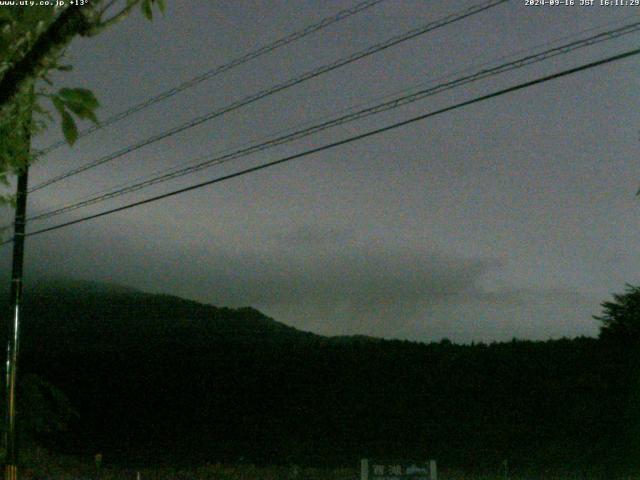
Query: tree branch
{"points": [[115, 18], [73, 21], [109, 4]]}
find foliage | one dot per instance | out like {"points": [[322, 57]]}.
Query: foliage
{"points": [[147, 10], [81, 102], [20, 27], [45, 410], [27, 113], [621, 317], [14, 137]]}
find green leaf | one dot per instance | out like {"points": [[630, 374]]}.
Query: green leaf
{"points": [[91, 116], [146, 9], [59, 104], [81, 111], [162, 5], [79, 96], [69, 128], [80, 101]]}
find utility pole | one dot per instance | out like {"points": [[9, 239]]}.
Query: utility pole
{"points": [[13, 340], [15, 303]]}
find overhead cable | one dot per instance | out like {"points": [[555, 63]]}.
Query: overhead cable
{"points": [[473, 10], [281, 42], [176, 172], [338, 143]]}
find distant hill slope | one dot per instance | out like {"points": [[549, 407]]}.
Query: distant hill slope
{"points": [[96, 316], [157, 379]]}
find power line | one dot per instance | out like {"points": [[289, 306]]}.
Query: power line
{"points": [[281, 42], [114, 189], [345, 141], [278, 88], [176, 172]]}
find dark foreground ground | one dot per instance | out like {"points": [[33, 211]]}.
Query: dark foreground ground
{"points": [[39, 464]]}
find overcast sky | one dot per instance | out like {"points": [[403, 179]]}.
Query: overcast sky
{"points": [[515, 217]]}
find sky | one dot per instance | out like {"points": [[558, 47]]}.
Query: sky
{"points": [[513, 217]]}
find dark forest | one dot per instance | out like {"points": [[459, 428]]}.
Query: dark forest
{"points": [[155, 379]]}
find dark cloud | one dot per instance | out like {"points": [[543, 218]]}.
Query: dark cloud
{"points": [[329, 281]]}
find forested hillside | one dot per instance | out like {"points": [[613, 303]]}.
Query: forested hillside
{"points": [[155, 378]]}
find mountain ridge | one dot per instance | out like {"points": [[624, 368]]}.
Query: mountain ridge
{"points": [[49, 289], [156, 378]]}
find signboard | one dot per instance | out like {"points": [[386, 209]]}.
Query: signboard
{"points": [[397, 470]]}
